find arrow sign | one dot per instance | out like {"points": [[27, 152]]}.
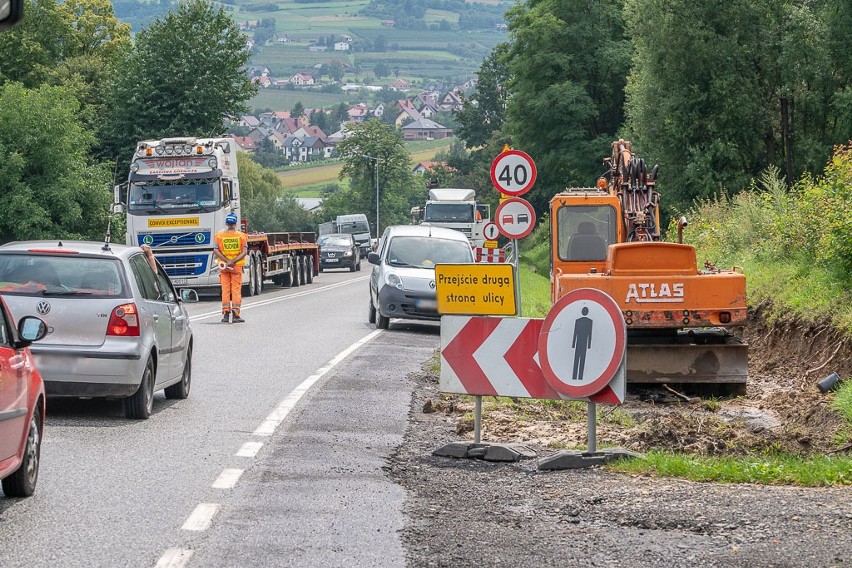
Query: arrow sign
{"points": [[497, 356]]}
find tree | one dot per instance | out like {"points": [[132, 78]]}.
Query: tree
{"points": [[567, 63], [738, 87], [321, 120], [381, 70], [50, 187], [397, 187], [184, 75], [77, 43], [484, 112], [297, 110], [339, 116], [336, 70]]}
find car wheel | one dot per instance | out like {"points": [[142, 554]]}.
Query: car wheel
{"points": [[23, 481], [371, 312], [352, 267], [381, 321], [141, 403], [258, 273], [180, 390], [358, 265], [309, 268]]}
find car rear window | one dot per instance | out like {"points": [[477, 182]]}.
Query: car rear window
{"points": [[60, 275], [426, 252]]}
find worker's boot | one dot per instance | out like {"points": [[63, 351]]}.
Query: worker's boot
{"points": [[238, 319], [226, 318]]}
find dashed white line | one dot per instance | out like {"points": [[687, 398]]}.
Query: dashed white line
{"points": [[249, 449], [174, 558], [201, 517], [271, 422], [227, 479]]}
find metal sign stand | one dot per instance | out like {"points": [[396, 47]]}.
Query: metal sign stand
{"points": [[477, 420], [591, 428]]}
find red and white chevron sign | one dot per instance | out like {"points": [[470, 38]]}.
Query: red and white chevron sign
{"points": [[489, 254], [498, 356]]}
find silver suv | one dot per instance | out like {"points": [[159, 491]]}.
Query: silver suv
{"points": [[116, 328]]}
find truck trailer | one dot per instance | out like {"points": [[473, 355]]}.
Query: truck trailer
{"points": [[176, 198]]}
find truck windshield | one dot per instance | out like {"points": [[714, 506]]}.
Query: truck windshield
{"points": [[163, 197], [585, 231], [448, 212]]}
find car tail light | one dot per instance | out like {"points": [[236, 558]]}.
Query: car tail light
{"points": [[124, 321]]}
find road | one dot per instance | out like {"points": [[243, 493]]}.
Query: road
{"points": [[244, 472]]}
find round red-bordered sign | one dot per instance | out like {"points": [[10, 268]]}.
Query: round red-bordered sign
{"points": [[513, 172], [572, 369], [515, 218], [491, 231]]}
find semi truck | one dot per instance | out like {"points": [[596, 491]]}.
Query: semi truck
{"points": [[681, 319], [356, 225], [455, 208], [176, 198]]}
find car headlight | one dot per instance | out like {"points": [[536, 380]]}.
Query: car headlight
{"points": [[393, 279], [347, 253]]}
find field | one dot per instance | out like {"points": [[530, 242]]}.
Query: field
{"points": [[307, 182]]}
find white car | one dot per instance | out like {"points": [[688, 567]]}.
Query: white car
{"points": [[115, 329], [402, 284]]}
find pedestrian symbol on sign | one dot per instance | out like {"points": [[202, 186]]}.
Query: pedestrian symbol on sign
{"points": [[582, 341]]}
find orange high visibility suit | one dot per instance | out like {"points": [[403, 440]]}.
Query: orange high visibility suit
{"points": [[230, 244]]}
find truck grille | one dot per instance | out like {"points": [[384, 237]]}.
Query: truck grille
{"points": [[177, 239], [182, 266]]}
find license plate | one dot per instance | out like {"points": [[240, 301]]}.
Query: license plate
{"points": [[55, 363], [179, 281], [426, 304], [332, 259]]}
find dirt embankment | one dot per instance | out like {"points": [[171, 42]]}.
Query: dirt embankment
{"points": [[783, 410]]}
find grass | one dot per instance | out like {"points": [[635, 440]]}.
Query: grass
{"points": [[765, 469]]}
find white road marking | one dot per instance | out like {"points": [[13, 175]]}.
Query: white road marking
{"points": [[261, 303], [227, 479], [249, 449], [271, 422], [174, 558], [201, 517]]}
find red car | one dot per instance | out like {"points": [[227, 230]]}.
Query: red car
{"points": [[21, 404]]}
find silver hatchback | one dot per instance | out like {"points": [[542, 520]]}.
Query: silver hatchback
{"points": [[116, 328]]}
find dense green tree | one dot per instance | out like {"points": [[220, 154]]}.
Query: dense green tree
{"points": [[297, 110], [720, 90], [336, 70], [50, 188], [185, 73], [398, 190], [484, 111], [77, 43], [321, 120], [381, 70], [567, 62], [339, 117]]}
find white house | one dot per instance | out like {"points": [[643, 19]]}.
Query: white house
{"points": [[341, 46]]}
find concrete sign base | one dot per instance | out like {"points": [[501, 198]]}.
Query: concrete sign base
{"points": [[577, 459], [487, 452]]}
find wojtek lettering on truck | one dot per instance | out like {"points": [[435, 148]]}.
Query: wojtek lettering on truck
{"points": [[645, 292]]}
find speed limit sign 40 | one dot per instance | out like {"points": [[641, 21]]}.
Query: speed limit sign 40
{"points": [[513, 173]]}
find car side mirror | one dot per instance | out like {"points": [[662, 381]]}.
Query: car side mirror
{"points": [[11, 13], [188, 295], [373, 258], [31, 328]]}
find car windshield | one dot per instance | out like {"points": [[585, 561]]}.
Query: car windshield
{"points": [[60, 275], [199, 194], [426, 252], [335, 241]]}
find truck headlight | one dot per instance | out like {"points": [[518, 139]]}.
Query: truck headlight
{"points": [[211, 162], [393, 279]]}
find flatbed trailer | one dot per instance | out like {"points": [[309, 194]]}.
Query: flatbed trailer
{"points": [[287, 258]]}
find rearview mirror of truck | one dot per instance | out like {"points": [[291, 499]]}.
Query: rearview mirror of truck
{"points": [[11, 12]]}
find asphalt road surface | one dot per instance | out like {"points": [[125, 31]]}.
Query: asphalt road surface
{"points": [[275, 459]]}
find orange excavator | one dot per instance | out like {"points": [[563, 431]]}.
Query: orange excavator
{"points": [[680, 318]]}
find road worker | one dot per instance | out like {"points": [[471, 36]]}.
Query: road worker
{"points": [[230, 250]]}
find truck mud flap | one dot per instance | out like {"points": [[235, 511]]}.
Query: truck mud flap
{"points": [[722, 362]]}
